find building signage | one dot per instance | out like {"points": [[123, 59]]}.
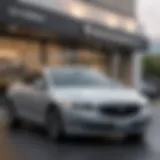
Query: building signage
{"points": [[108, 35], [26, 14], [21, 14], [18, 12]]}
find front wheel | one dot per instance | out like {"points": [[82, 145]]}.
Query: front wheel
{"points": [[138, 137], [55, 125]]}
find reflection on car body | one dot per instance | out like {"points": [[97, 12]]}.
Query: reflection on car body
{"points": [[79, 101]]}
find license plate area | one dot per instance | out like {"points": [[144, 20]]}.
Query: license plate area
{"points": [[121, 124]]}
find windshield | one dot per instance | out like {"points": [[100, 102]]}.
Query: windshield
{"points": [[81, 78]]}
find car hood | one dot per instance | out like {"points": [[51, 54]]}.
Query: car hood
{"points": [[98, 95]]}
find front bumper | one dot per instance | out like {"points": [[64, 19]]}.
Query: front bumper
{"points": [[94, 123]]}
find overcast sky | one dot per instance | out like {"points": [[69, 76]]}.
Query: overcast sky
{"points": [[149, 15]]}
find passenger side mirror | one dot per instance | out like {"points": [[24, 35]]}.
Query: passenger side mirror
{"points": [[39, 84]]}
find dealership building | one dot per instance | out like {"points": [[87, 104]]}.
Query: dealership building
{"points": [[101, 34]]}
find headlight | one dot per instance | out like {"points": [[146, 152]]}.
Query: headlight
{"points": [[77, 106]]}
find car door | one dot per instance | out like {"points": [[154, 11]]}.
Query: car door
{"points": [[25, 98], [24, 101], [17, 95], [38, 100], [31, 98]]}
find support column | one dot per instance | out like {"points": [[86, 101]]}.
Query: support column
{"points": [[113, 65], [126, 68], [137, 70], [43, 53]]}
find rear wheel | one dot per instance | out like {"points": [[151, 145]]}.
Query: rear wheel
{"points": [[13, 119], [3, 91], [55, 125]]}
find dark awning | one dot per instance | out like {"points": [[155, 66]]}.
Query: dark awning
{"points": [[106, 35], [31, 17]]}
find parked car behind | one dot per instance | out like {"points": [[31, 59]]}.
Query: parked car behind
{"points": [[150, 91], [79, 101]]}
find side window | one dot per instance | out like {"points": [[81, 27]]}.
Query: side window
{"points": [[35, 79], [40, 84]]}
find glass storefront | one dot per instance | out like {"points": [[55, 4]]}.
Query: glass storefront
{"points": [[56, 55], [59, 55], [27, 51]]}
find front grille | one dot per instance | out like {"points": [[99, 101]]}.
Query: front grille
{"points": [[120, 109]]}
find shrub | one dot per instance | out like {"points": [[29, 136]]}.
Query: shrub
{"points": [[151, 65]]}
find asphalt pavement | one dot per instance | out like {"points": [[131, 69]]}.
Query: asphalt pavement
{"points": [[31, 142]]}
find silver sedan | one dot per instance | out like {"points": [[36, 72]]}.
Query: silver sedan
{"points": [[79, 101]]}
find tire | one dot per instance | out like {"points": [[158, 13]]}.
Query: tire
{"points": [[3, 91], [139, 137], [13, 119], [54, 125]]}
